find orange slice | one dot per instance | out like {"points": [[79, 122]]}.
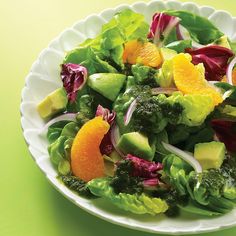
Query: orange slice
{"points": [[86, 159], [189, 80], [145, 53]]}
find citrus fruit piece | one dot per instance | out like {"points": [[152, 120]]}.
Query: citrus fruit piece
{"points": [[86, 159], [145, 53], [189, 78]]}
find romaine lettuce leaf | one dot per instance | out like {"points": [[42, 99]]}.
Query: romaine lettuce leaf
{"points": [[124, 26], [89, 58], [196, 107], [138, 204]]}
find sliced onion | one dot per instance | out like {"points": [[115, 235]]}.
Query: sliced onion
{"points": [[115, 137], [229, 71], [185, 156], [130, 112], [66, 116], [168, 91]]}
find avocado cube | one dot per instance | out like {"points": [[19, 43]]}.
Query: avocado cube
{"points": [[136, 144], [107, 84], [55, 102], [210, 155]]}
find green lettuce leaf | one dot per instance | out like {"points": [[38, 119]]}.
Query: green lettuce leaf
{"points": [[138, 204], [89, 58], [180, 46], [196, 107], [124, 26], [200, 28]]}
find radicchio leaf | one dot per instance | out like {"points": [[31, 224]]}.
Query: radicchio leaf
{"points": [[161, 26], [215, 59], [143, 168], [106, 114], [226, 133], [74, 77], [106, 146]]}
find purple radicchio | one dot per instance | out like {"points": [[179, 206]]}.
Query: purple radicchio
{"points": [[161, 26], [215, 59], [74, 77], [106, 114], [106, 146], [143, 168]]}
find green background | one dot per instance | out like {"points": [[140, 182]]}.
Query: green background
{"points": [[29, 205]]}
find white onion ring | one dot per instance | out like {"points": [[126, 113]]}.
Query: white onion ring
{"points": [[130, 112], [185, 156], [66, 116], [229, 71]]}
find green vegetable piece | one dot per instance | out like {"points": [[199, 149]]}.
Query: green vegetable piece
{"points": [[200, 28], [167, 53], [54, 103], [138, 204], [223, 42], [89, 58], [56, 150], [195, 208], [210, 155], [196, 107], [64, 167], [77, 185], [144, 75], [136, 144], [107, 84], [180, 46], [165, 75]]}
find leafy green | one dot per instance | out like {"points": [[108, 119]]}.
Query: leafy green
{"points": [[177, 171], [76, 184], [138, 204], [86, 109], [196, 107], [200, 28], [165, 75], [124, 26], [61, 139], [90, 59], [54, 131], [144, 75], [180, 46]]}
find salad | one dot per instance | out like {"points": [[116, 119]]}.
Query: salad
{"points": [[146, 116]]}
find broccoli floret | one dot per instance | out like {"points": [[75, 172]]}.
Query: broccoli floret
{"points": [[153, 113]]}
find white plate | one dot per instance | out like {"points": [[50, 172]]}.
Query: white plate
{"points": [[44, 78]]}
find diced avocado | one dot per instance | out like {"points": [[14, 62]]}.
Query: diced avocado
{"points": [[210, 155], [55, 102], [223, 42], [136, 144], [107, 84], [167, 53]]}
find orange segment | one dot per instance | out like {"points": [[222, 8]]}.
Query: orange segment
{"points": [[145, 53], [189, 80], [234, 76], [86, 159]]}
